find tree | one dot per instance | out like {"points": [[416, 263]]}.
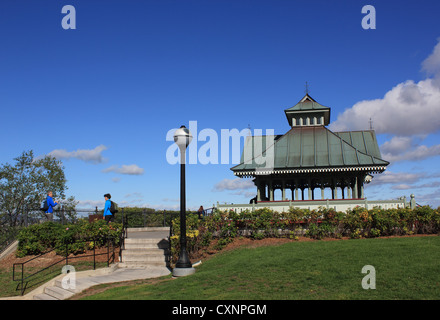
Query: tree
{"points": [[24, 186]]}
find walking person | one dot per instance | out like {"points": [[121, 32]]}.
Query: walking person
{"points": [[108, 216], [50, 204], [201, 212]]}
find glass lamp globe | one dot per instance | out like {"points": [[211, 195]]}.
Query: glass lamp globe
{"points": [[182, 137]]}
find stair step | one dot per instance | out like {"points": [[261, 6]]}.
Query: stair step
{"points": [[143, 246], [143, 258], [147, 250], [145, 240], [144, 252], [146, 243], [80, 285], [147, 229], [140, 264], [58, 293], [44, 296]]}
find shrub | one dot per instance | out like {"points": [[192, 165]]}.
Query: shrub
{"points": [[37, 238], [261, 223], [40, 238], [320, 231]]}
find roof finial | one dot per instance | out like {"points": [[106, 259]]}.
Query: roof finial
{"points": [[307, 88], [371, 124]]}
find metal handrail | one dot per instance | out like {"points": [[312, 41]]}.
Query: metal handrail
{"points": [[23, 281]]}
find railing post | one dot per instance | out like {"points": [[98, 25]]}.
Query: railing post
{"points": [[144, 214], [124, 224], [94, 254], [67, 253], [22, 278], [108, 251], [63, 218], [113, 250]]}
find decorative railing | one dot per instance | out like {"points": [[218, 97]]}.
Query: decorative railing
{"points": [[337, 204]]}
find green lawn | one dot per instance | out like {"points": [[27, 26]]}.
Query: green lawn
{"points": [[406, 268], [8, 287]]}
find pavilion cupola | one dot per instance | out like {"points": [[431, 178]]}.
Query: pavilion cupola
{"points": [[308, 112]]}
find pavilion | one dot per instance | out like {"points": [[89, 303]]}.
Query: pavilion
{"points": [[309, 157]]}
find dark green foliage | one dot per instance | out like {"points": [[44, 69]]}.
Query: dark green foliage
{"points": [[24, 185], [316, 224], [79, 237]]}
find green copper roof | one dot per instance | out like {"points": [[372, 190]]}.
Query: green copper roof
{"points": [[307, 103], [312, 148]]}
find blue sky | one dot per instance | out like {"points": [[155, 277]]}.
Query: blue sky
{"points": [[102, 97]]}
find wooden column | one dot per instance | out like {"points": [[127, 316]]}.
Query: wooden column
{"points": [[355, 188], [309, 190], [258, 183], [296, 190], [270, 190], [283, 190]]}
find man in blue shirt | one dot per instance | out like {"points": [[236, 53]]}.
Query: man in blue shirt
{"points": [[50, 203], [108, 216]]}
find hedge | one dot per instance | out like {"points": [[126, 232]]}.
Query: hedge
{"points": [[39, 238], [317, 224]]}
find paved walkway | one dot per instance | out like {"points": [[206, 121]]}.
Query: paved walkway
{"points": [[87, 279]]}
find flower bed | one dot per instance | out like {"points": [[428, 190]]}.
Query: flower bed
{"points": [[359, 222]]}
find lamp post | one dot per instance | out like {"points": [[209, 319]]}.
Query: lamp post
{"points": [[183, 137]]}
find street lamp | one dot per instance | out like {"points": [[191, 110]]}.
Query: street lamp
{"points": [[182, 137]]}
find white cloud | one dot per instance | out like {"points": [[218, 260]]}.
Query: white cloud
{"points": [[246, 194], [407, 112], [405, 148], [87, 155], [88, 204], [234, 184], [402, 187], [131, 169], [432, 64], [401, 178], [432, 199], [416, 154], [396, 145], [134, 195], [408, 109]]}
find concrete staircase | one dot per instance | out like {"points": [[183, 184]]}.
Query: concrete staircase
{"points": [[145, 249], [57, 292], [145, 252]]}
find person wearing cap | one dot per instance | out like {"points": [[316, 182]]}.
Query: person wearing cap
{"points": [[108, 216]]}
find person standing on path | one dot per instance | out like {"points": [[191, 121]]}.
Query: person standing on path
{"points": [[50, 203], [108, 216]]}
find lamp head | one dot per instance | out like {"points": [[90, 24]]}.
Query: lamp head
{"points": [[182, 137]]}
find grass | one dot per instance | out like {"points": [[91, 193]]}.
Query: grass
{"points": [[406, 268], [8, 287]]}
